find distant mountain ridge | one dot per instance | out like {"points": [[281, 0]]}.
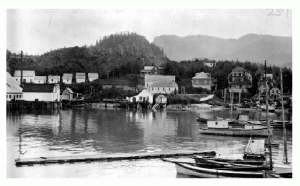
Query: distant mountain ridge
{"points": [[276, 50]]}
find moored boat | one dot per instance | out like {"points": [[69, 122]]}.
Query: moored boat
{"points": [[221, 127]]}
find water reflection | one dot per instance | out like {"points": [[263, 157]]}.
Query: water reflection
{"points": [[100, 131]]}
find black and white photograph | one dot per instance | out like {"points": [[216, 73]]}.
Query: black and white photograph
{"points": [[149, 92]]}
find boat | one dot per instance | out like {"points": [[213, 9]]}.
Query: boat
{"points": [[198, 171], [221, 127], [176, 108]]}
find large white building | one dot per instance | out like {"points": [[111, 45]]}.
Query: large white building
{"points": [[28, 76], [160, 84], [41, 92], [13, 89]]}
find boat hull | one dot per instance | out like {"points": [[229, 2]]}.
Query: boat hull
{"points": [[214, 173], [235, 132]]}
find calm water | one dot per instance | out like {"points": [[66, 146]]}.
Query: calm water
{"points": [[76, 132]]}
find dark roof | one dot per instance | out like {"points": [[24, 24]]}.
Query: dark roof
{"points": [[38, 87]]}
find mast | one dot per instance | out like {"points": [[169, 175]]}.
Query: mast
{"points": [[283, 123], [267, 109], [21, 68]]}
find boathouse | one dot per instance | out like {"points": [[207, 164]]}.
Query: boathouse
{"points": [[67, 78], [217, 123], [40, 79], [41, 92], [13, 89], [144, 96], [161, 99], [28, 76]]}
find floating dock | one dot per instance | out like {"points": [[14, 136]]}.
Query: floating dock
{"points": [[109, 157]]}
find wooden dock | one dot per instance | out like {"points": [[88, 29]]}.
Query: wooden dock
{"points": [[110, 157]]}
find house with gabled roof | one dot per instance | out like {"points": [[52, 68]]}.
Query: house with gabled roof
{"points": [[160, 84], [67, 94], [151, 70], [53, 79], [202, 80], [239, 80], [67, 78], [92, 76], [40, 79], [28, 76], [13, 89], [41, 92], [143, 96], [80, 78]]}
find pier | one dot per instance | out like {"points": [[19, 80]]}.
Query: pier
{"points": [[110, 157]]}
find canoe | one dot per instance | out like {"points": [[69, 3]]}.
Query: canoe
{"points": [[198, 171]]}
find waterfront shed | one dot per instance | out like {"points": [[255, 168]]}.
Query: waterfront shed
{"points": [[144, 96], [161, 99], [41, 92]]}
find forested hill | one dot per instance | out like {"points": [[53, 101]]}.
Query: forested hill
{"points": [[113, 55]]}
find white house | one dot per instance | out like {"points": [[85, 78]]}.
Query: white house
{"points": [[163, 87], [143, 96], [80, 77], [67, 94], [13, 89], [41, 92], [53, 79], [275, 93], [92, 76], [28, 76], [67, 78], [40, 79], [202, 80]]}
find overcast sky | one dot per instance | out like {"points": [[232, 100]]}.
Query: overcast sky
{"points": [[38, 31]]}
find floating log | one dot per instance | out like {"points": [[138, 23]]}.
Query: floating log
{"points": [[115, 157]]}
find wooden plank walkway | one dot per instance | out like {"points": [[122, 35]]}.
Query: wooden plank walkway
{"points": [[110, 157]]}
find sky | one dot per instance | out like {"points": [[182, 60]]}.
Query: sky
{"points": [[36, 31]]}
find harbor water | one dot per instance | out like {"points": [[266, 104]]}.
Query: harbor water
{"points": [[87, 131]]}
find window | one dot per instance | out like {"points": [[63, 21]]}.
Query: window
{"points": [[169, 88], [216, 123], [140, 98], [152, 88], [157, 88], [9, 96], [205, 81], [6, 96]]}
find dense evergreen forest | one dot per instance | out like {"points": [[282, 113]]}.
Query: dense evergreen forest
{"points": [[125, 54]]}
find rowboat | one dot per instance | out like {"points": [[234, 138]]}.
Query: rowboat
{"points": [[198, 171], [201, 159]]}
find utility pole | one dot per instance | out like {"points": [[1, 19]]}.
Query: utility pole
{"points": [[283, 123]]}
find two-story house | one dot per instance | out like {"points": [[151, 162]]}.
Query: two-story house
{"points": [[239, 80], [202, 80], [151, 70]]}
